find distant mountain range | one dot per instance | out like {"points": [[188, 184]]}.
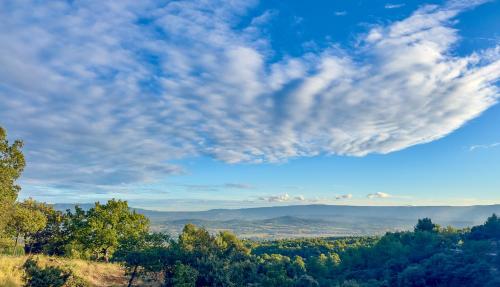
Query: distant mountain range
{"points": [[313, 220]]}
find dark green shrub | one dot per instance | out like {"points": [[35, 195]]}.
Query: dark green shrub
{"points": [[50, 276], [74, 281]]}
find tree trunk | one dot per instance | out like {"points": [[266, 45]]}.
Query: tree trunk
{"points": [[15, 245], [30, 246], [132, 276], [106, 255]]}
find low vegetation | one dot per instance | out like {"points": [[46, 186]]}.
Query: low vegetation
{"points": [[13, 270]]}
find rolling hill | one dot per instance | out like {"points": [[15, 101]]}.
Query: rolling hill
{"points": [[314, 220]]}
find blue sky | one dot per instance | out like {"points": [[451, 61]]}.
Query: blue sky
{"points": [[189, 105]]}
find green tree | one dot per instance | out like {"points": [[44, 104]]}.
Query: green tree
{"points": [[143, 254], [52, 238], [75, 234], [11, 166], [184, 275], [230, 245], [221, 260], [306, 281], [489, 230], [298, 267], [197, 248], [274, 269], [26, 221], [49, 239], [425, 224], [318, 266], [100, 230]]}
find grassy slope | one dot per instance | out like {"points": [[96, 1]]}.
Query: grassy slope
{"points": [[95, 273]]}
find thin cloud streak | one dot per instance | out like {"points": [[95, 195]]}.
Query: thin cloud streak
{"points": [[393, 6], [378, 195], [484, 146]]}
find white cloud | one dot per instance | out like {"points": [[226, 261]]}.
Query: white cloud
{"points": [[393, 6], [110, 92], [276, 198], [484, 146], [215, 187], [238, 186], [344, 196], [340, 13], [378, 195], [299, 198], [282, 198]]}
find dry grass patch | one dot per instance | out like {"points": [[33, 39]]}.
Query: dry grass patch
{"points": [[11, 271], [95, 273]]}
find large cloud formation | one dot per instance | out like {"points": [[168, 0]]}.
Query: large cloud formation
{"points": [[109, 92]]}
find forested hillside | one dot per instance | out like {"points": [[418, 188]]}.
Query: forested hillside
{"points": [[428, 256]]}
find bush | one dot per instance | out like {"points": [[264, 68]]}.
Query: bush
{"points": [[306, 281], [184, 275], [50, 276], [75, 281]]}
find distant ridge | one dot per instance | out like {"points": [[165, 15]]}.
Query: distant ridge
{"points": [[454, 215], [312, 220]]}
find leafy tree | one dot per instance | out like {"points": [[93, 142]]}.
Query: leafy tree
{"points": [[306, 281], [143, 254], [230, 245], [318, 265], [74, 227], [52, 239], [489, 230], [26, 221], [274, 269], [11, 166], [100, 230], [184, 275], [425, 224], [49, 239], [221, 260], [297, 267]]}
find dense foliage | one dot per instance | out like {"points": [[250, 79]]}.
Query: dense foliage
{"points": [[428, 256], [50, 276], [11, 166]]}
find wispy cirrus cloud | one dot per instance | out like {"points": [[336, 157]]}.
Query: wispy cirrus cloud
{"points": [[378, 195], [239, 186], [344, 196], [108, 93], [484, 146], [285, 197], [216, 187], [393, 6]]}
